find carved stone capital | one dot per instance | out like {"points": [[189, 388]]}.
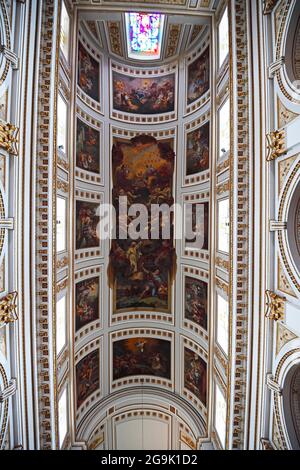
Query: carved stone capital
{"points": [[276, 144], [8, 308], [9, 137], [275, 306], [10, 390]]}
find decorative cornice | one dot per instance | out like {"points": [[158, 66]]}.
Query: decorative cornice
{"points": [[276, 144], [8, 308], [275, 306], [9, 137]]}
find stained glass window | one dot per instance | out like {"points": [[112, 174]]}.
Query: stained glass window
{"points": [[144, 35]]}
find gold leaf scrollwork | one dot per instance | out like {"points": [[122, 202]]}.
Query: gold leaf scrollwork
{"points": [[275, 306], [276, 145], [8, 308], [9, 137]]}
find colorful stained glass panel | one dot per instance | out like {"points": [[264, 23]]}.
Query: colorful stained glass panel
{"points": [[144, 35]]}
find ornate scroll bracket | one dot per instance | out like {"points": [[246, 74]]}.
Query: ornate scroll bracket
{"points": [[269, 6], [275, 306], [273, 385], [276, 145], [10, 56], [277, 225], [9, 137], [8, 308], [275, 66], [8, 391]]}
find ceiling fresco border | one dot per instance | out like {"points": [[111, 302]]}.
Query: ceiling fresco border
{"points": [[186, 324], [201, 255], [86, 332], [203, 176], [90, 401], [80, 173], [98, 57], [189, 60], [147, 380], [146, 74], [168, 135], [88, 196], [188, 343]]}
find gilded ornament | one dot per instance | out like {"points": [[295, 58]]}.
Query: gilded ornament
{"points": [[173, 39], [222, 263], [223, 188], [8, 308], [115, 37], [9, 137], [187, 440], [276, 145], [275, 306]]}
